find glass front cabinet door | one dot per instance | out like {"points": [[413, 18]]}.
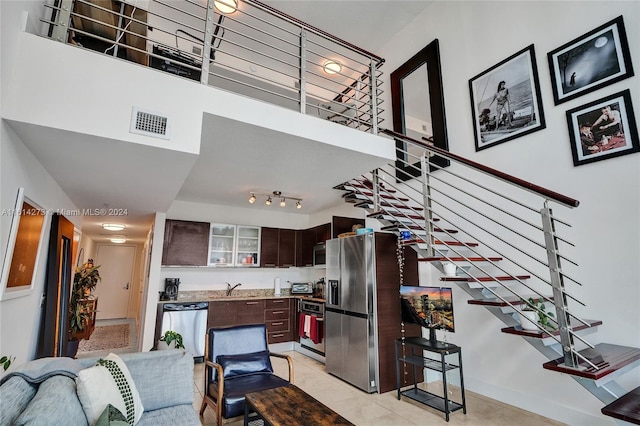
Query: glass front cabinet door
{"points": [[234, 245], [221, 244], [248, 246]]}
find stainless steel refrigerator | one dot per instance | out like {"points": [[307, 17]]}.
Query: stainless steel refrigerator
{"points": [[351, 347]]}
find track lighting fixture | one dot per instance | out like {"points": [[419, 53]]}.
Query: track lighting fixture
{"points": [[275, 194]]}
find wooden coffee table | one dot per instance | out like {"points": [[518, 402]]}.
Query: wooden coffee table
{"points": [[289, 406]]}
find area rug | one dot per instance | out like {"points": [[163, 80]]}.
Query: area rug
{"points": [[106, 337]]}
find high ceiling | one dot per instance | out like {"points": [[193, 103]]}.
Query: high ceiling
{"points": [[215, 176]]}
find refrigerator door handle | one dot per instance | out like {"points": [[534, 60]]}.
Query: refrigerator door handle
{"points": [[334, 292]]}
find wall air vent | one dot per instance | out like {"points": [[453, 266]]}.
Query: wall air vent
{"points": [[149, 124]]}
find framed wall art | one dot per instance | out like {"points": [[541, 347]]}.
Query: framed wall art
{"points": [[28, 226], [506, 101], [594, 60], [603, 129]]}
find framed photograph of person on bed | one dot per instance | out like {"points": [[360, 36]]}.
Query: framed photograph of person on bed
{"points": [[602, 129]]}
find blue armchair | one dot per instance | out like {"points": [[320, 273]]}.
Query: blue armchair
{"points": [[237, 362]]}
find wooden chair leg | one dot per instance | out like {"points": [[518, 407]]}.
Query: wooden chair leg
{"points": [[203, 406]]}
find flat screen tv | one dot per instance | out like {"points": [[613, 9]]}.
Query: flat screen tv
{"points": [[430, 307]]}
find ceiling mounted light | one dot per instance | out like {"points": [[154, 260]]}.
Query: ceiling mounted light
{"points": [[332, 67], [113, 226], [275, 195], [118, 239], [226, 6]]}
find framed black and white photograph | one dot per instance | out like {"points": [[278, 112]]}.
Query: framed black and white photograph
{"points": [[506, 101], [603, 129], [594, 60]]}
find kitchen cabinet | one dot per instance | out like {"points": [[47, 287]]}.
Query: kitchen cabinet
{"points": [[278, 248], [277, 314], [251, 311], [279, 319], [344, 224], [234, 245], [305, 240], [185, 243], [323, 233]]}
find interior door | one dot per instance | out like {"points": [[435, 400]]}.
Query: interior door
{"points": [[116, 273]]}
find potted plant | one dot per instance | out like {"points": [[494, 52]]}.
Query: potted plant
{"points": [[534, 311], [170, 340], [82, 304]]}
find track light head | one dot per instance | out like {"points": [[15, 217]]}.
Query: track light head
{"points": [[268, 202], [252, 199], [282, 202], [298, 205]]}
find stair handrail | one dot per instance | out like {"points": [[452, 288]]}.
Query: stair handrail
{"points": [[531, 187]]}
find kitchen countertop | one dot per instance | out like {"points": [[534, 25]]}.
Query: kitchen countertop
{"points": [[221, 295]]}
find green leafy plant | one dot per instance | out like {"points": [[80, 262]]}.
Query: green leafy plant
{"points": [[81, 304], [169, 336], [543, 315], [6, 361]]}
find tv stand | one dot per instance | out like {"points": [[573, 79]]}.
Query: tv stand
{"points": [[414, 354]]}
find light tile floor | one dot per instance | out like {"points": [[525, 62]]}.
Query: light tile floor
{"points": [[380, 409]]}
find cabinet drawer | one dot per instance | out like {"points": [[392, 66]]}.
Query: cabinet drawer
{"points": [[277, 303], [250, 305], [277, 326], [279, 337], [276, 314]]}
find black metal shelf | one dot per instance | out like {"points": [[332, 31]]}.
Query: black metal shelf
{"points": [[431, 364], [431, 399]]}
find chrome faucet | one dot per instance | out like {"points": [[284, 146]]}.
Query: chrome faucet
{"points": [[230, 289]]}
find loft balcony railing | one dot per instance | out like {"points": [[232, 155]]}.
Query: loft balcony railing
{"points": [[466, 212], [243, 46]]}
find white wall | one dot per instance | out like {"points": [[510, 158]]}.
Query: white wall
{"points": [[473, 36], [20, 317]]}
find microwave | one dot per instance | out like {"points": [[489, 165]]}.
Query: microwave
{"points": [[320, 254]]}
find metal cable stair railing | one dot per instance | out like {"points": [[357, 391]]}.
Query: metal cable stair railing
{"points": [[457, 213]]}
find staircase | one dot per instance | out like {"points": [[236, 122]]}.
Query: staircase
{"points": [[507, 246]]}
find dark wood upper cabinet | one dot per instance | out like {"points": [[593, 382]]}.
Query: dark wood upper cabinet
{"points": [[269, 247], [287, 248], [305, 239], [323, 233], [344, 224], [186, 243]]}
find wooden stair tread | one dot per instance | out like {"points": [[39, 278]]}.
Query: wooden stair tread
{"points": [[366, 203], [513, 300], [615, 357], [626, 408], [459, 259], [487, 279], [398, 215], [455, 243], [398, 226], [518, 330]]}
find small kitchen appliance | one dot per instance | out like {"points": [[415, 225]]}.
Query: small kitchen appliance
{"points": [[170, 289], [302, 288]]}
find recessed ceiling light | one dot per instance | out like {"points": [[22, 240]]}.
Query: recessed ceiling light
{"points": [[226, 6], [113, 226], [332, 67]]}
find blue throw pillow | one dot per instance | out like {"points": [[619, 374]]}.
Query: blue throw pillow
{"points": [[242, 364]]}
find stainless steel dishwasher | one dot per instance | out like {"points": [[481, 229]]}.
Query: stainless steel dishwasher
{"points": [[190, 320]]}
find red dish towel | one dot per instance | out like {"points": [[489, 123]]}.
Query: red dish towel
{"points": [[317, 330], [301, 325]]}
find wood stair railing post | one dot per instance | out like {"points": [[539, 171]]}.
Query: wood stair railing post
{"points": [[426, 194], [557, 283]]}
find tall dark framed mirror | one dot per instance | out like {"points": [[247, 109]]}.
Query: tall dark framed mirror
{"points": [[417, 102]]}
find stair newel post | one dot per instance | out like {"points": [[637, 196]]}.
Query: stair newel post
{"points": [[375, 187], [302, 78], [426, 194], [557, 282], [62, 20], [209, 39], [373, 96]]}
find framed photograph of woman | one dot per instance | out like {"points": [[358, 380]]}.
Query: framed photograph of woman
{"points": [[592, 61], [506, 101], [603, 129]]}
